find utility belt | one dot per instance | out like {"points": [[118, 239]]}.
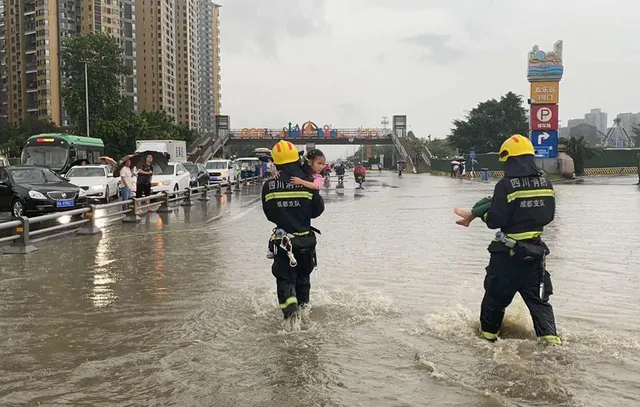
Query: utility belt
{"points": [[299, 242], [528, 249]]}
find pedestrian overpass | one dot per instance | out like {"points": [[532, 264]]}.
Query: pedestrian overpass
{"points": [[309, 133]]}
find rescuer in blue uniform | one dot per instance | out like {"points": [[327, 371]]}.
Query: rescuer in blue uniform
{"points": [[291, 207], [523, 203]]}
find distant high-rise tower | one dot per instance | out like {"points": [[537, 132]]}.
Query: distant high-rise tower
{"points": [[34, 31], [128, 41], [597, 118], [156, 53], [187, 49], [209, 63], [4, 107]]}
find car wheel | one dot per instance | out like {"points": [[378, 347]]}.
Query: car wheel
{"points": [[107, 197], [17, 208], [175, 188]]}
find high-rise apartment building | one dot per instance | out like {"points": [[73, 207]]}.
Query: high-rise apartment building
{"points": [[3, 67], [187, 49], [629, 121], [156, 51], [33, 29], [116, 18], [209, 64], [597, 118], [101, 15], [128, 41], [171, 46]]}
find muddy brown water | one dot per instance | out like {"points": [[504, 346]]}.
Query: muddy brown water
{"points": [[179, 312]]}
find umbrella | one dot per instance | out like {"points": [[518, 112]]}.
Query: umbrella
{"points": [[159, 159], [109, 162]]}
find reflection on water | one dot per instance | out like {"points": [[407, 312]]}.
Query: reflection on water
{"points": [[102, 293], [160, 288]]}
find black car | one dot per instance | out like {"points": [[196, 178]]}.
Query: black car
{"points": [[33, 190], [199, 175]]}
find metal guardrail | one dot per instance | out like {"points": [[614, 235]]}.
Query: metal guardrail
{"points": [[23, 237]]}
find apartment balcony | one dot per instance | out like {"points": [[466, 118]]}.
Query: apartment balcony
{"points": [[29, 8]]}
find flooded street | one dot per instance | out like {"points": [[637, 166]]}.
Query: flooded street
{"points": [[175, 311]]}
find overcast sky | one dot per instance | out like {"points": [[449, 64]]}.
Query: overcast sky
{"points": [[349, 62]]}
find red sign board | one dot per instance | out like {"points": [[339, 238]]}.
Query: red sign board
{"points": [[544, 117]]}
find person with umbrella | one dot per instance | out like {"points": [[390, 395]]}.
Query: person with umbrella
{"points": [[145, 172], [400, 166], [126, 178]]}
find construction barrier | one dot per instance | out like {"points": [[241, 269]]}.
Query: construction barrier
{"points": [[611, 171]]}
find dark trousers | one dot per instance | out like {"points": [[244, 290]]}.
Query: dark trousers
{"points": [[143, 189], [507, 276], [294, 283]]}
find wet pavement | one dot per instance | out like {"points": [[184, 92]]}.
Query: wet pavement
{"points": [[178, 311]]}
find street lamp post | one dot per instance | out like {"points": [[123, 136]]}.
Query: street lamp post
{"points": [[86, 91]]}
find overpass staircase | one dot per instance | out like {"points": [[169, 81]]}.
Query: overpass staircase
{"points": [[210, 147], [418, 151], [403, 152]]}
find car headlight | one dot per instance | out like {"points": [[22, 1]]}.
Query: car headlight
{"points": [[81, 193], [163, 183], [96, 187], [37, 195]]}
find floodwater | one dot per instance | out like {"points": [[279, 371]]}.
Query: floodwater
{"points": [[179, 312]]}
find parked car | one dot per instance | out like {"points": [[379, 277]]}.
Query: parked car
{"points": [[33, 190], [220, 170], [96, 180], [199, 175], [173, 177]]}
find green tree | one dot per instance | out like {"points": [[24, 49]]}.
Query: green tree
{"points": [[580, 151], [12, 138], [489, 124], [440, 147], [636, 132], [106, 69]]}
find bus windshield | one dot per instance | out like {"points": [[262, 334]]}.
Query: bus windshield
{"points": [[54, 157]]}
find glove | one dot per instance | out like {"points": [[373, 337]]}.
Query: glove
{"points": [[481, 207]]}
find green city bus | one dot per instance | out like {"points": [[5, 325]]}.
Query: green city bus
{"points": [[58, 150]]}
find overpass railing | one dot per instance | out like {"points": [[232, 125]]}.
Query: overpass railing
{"points": [[91, 219], [275, 134]]}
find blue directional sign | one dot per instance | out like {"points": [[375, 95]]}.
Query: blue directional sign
{"points": [[545, 143]]}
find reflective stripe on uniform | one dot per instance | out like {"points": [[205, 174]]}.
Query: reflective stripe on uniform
{"points": [[536, 193], [553, 339], [524, 235], [289, 195], [301, 233], [288, 302]]}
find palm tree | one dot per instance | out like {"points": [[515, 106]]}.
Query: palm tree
{"points": [[580, 151]]}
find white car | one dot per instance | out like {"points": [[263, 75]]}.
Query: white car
{"points": [[220, 170], [174, 178], [95, 180]]}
